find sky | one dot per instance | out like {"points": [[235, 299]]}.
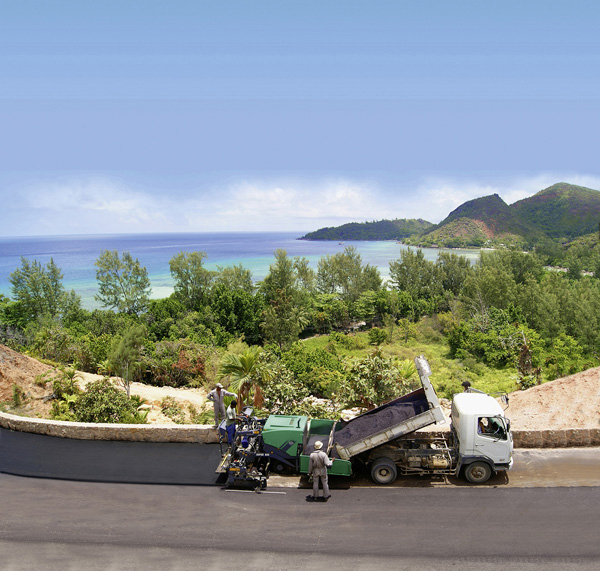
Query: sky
{"points": [[204, 116]]}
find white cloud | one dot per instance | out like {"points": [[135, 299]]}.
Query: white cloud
{"points": [[96, 204], [105, 205], [296, 204]]}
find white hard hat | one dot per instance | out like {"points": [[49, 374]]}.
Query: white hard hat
{"points": [[318, 445], [219, 385]]}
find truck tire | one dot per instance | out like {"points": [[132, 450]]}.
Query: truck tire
{"points": [[383, 471], [478, 472], [279, 467]]}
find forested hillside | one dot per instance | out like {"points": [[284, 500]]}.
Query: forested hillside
{"points": [[380, 230], [560, 213], [477, 223]]}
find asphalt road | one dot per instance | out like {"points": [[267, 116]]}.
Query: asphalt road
{"points": [[26, 454], [533, 468], [68, 525]]}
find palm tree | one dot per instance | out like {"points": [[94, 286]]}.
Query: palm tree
{"points": [[406, 374], [246, 372]]}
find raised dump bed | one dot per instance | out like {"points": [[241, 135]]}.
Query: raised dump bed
{"points": [[388, 422]]}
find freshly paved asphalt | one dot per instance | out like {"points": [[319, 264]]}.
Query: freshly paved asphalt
{"points": [[26, 454], [58, 524], [545, 515]]}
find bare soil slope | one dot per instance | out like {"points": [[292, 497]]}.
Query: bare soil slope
{"points": [[571, 402], [22, 371], [26, 373]]}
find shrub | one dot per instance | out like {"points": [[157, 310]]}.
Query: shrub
{"points": [[313, 367], [374, 380], [176, 364], [103, 402], [63, 409], [377, 336], [17, 395], [282, 392], [91, 350], [64, 382], [347, 341], [170, 408]]}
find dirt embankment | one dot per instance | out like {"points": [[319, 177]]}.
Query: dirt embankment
{"points": [[571, 402], [17, 370]]}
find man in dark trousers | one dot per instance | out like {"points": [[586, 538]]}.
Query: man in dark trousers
{"points": [[317, 468], [231, 415]]}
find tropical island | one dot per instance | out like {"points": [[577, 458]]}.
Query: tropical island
{"points": [[560, 214]]}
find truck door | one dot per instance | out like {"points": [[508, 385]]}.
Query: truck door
{"points": [[493, 439]]}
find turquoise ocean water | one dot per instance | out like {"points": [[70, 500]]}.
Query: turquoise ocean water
{"points": [[76, 255]]}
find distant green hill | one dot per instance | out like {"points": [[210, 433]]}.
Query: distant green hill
{"points": [[380, 230], [561, 212], [479, 222]]}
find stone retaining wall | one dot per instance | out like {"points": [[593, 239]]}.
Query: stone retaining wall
{"points": [[556, 438], [545, 438], [208, 435], [118, 432]]}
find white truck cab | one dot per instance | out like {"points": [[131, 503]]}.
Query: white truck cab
{"points": [[485, 444]]}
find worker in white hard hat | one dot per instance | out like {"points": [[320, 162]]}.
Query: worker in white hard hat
{"points": [[216, 396], [317, 468]]}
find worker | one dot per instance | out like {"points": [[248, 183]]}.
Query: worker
{"points": [[231, 415], [466, 385], [484, 426], [216, 396], [317, 468]]}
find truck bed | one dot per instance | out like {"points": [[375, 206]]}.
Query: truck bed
{"points": [[388, 422], [382, 418]]}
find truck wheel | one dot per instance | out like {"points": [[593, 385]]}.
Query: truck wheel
{"points": [[383, 471], [279, 468], [478, 472]]}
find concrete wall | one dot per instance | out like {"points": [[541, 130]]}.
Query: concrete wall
{"points": [[546, 438], [177, 433], [556, 438], [118, 432]]}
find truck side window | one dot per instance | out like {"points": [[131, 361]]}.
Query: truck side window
{"points": [[491, 426]]}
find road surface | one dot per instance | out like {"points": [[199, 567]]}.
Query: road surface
{"points": [[67, 525]]}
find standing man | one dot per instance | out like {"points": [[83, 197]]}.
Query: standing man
{"points": [[216, 396], [317, 468], [230, 422]]}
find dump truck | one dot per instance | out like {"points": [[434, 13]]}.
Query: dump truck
{"points": [[386, 440]]}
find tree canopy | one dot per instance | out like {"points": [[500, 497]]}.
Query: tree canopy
{"points": [[123, 283]]}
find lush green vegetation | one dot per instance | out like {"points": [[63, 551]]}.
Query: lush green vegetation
{"points": [[376, 230], [562, 211], [311, 341]]}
